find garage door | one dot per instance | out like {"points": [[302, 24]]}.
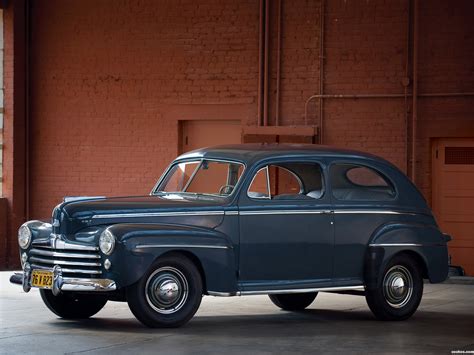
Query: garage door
{"points": [[453, 197], [204, 133]]}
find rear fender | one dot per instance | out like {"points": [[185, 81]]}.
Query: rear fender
{"points": [[422, 241]]}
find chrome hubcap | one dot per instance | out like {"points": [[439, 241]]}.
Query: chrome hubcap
{"points": [[166, 290], [398, 286]]}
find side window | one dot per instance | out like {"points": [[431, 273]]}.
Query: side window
{"points": [[359, 183], [283, 181], [288, 181], [259, 186]]}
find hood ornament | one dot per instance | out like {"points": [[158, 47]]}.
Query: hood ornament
{"points": [[80, 198]]}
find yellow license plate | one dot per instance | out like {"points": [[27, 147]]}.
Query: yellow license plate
{"points": [[42, 278]]}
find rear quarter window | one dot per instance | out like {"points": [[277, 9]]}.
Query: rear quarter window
{"points": [[353, 182]]}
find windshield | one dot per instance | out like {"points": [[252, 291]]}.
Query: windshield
{"points": [[208, 177]]}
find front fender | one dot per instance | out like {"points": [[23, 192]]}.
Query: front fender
{"points": [[424, 241], [139, 245]]}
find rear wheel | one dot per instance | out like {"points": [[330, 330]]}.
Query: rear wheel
{"points": [[72, 305], [399, 291], [168, 295], [293, 301]]}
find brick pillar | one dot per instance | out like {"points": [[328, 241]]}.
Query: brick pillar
{"points": [[14, 132]]}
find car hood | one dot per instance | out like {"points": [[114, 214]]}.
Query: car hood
{"points": [[77, 214], [135, 204]]}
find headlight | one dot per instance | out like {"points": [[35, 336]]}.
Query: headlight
{"points": [[107, 242], [24, 237]]}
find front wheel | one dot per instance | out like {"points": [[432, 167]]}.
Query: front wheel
{"points": [[71, 305], [168, 295], [293, 301], [398, 293]]}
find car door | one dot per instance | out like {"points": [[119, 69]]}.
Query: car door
{"points": [[286, 227], [363, 200]]}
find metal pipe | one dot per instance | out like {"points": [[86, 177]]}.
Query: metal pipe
{"points": [[415, 91], [321, 72], [277, 96], [379, 96], [28, 22], [447, 94], [406, 82], [260, 65], [265, 64]]}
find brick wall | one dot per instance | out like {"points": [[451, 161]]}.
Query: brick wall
{"points": [[366, 50], [1, 102], [446, 65], [104, 75]]}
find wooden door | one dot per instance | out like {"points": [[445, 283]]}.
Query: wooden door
{"points": [[453, 196], [205, 133]]}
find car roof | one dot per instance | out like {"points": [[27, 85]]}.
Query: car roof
{"points": [[252, 152]]}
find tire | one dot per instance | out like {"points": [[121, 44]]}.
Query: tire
{"points": [[293, 301], [73, 305], [399, 291], [181, 288]]}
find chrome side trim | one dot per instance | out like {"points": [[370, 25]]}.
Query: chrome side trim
{"points": [[63, 255], [278, 212], [223, 294], [304, 290], [62, 262], [159, 214], [395, 245], [146, 246], [246, 213], [231, 213], [287, 291], [372, 212], [311, 211]]}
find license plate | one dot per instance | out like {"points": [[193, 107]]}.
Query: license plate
{"points": [[42, 279]]}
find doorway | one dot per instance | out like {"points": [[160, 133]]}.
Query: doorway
{"points": [[453, 196], [196, 134]]}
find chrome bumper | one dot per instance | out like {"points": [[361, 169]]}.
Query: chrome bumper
{"points": [[61, 283]]}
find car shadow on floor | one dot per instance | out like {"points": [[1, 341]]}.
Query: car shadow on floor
{"points": [[309, 323]]}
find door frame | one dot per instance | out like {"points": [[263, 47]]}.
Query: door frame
{"points": [[245, 113]]}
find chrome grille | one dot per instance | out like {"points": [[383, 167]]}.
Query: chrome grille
{"points": [[75, 260]]}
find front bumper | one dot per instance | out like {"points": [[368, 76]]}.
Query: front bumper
{"points": [[61, 283]]}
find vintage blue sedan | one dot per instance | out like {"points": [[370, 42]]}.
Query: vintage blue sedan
{"points": [[288, 221]]}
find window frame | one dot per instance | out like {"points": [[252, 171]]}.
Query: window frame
{"points": [[199, 160], [320, 164], [364, 164], [267, 175]]}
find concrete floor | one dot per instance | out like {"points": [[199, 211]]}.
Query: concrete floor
{"points": [[333, 323]]}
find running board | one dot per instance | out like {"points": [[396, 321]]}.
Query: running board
{"points": [[341, 289]]}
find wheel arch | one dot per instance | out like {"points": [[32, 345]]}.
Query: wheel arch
{"points": [[192, 257], [420, 260]]}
